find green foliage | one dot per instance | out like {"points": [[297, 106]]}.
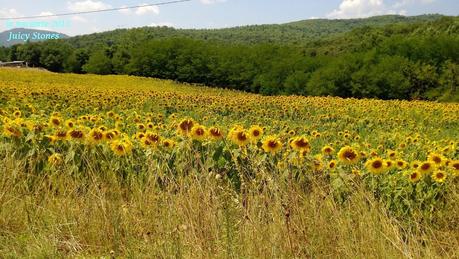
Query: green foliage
{"points": [[387, 57], [98, 63]]}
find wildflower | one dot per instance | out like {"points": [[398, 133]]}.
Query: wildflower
{"points": [[426, 167], [327, 150], [437, 159], [168, 143], [347, 155], [121, 147], [414, 176], [95, 136], [215, 133], [375, 165], [255, 133], [272, 144], [300, 144], [439, 176], [185, 126], [198, 132]]}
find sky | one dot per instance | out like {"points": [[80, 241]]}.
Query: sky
{"points": [[202, 13]]}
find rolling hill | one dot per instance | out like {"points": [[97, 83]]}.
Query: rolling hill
{"points": [[22, 35]]}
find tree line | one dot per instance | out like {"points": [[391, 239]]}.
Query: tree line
{"points": [[402, 61]]}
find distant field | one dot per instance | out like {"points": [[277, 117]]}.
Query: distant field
{"points": [[135, 167]]}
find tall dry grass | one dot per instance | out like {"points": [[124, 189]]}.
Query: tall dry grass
{"points": [[200, 215]]}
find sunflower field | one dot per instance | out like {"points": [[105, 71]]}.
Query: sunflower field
{"points": [[119, 165]]}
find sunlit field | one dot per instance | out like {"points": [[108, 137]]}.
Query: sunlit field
{"points": [[131, 167]]}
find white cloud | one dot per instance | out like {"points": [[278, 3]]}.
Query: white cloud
{"points": [[87, 5], [141, 10], [366, 8], [147, 9], [212, 1], [403, 3], [358, 9], [9, 13], [78, 18]]}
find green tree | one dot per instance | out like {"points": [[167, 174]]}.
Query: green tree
{"points": [[98, 63]]}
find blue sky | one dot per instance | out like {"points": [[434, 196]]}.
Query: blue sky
{"points": [[206, 13]]}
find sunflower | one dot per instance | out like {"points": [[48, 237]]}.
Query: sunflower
{"points": [[391, 154], [348, 156], [239, 136], [255, 133], [272, 144], [318, 163], [439, 176], [55, 121], [454, 165], [121, 147], [198, 132], [327, 150], [111, 114], [110, 135], [415, 164], [332, 165], [426, 167], [139, 135], [390, 164], [11, 130], [17, 114], [95, 136], [55, 159], [61, 134], [185, 126], [153, 137], [414, 176], [437, 159], [375, 165], [168, 143], [401, 164], [141, 126], [145, 142], [69, 123], [300, 144], [215, 133]]}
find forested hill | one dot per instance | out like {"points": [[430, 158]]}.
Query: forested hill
{"points": [[296, 32], [388, 57]]}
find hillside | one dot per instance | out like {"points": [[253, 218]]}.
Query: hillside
{"points": [[22, 35], [296, 32]]}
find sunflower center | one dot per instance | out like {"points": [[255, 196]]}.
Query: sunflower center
{"points": [[302, 143], [241, 136], [272, 144], [425, 166], [351, 155], [120, 148], [436, 159], [76, 134], [200, 132], [377, 164]]}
